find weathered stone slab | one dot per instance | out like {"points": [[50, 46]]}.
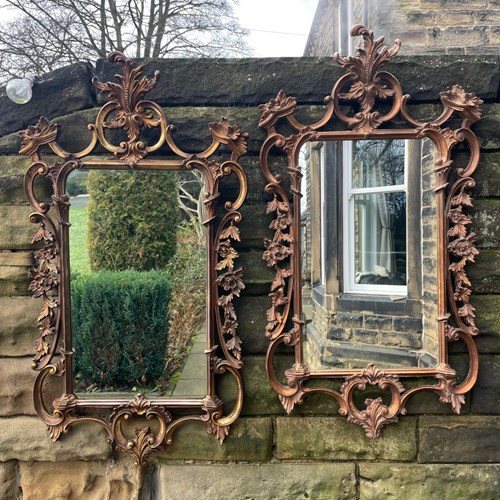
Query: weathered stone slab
{"points": [[8, 480], [419, 482], [252, 323], [57, 93], [14, 280], [18, 325], [257, 275], [255, 81], [258, 482], [488, 322], [485, 272], [250, 439], [486, 392], [488, 128], [15, 227], [99, 480], [27, 439], [16, 389], [333, 438], [486, 220], [460, 439]]}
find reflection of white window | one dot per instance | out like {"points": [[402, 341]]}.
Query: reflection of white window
{"points": [[374, 217]]}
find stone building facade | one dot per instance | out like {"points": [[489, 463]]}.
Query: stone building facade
{"points": [[315, 452], [426, 26]]}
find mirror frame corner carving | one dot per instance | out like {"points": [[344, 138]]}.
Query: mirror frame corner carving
{"points": [[365, 84], [128, 110]]}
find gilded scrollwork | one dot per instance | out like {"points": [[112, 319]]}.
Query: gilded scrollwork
{"points": [[367, 83], [129, 111]]}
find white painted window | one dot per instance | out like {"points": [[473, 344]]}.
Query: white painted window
{"points": [[375, 217]]}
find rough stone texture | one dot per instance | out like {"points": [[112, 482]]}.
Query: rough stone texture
{"points": [[485, 273], [16, 390], [99, 480], [26, 439], [488, 322], [18, 325], [258, 482], [254, 81], [333, 438], [252, 330], [460, 439], [486, 220], [15, 227], [486, 393], [422, 482], [8, 480], [249, 439], [60, 92]]}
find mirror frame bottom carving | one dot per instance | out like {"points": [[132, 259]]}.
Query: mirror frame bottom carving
{"points": [[362, 86], [127, 110]]}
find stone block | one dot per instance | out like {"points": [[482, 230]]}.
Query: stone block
{"points": [[15, 227], [8, 481], [26, 439], [279, 481], [112, 480], [485, 272], [486, 219], [459, 36], [254, 81], [334, 438], [257, 275], [407, 324], [349, 320], [250, 439], [252, 323], [337, 333], [365, 336], [486, 392], [488, 322], [16, 390], [18, 325], [459, 439], [419, 481], [57, 93], [488, 128], [377, 322], [14, 280]]}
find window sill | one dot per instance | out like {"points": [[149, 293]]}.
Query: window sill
{"points": [[378, 304]]}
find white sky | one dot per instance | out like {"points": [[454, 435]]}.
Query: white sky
{"points": [[278, 28], [285, 16]]}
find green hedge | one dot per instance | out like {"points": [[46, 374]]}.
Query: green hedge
{"points": [[119, 322], [133, 219]]}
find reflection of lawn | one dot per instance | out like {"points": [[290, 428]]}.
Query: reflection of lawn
{"points": [[79, 254]]}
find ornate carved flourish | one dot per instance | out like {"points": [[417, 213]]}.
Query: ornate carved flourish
{"points": [[128, 111], [456, 317]]}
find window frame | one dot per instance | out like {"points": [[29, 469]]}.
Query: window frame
{"points": [[348, 245]]}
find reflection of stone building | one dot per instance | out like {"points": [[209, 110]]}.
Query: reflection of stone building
{"points": [[430, 27], [352, 327]]}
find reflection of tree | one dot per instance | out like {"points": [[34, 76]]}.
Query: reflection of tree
{"points": [[385, 156], [191, 200]]}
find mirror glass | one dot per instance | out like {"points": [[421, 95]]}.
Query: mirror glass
{"points": [[138, 282], [368, 238]]}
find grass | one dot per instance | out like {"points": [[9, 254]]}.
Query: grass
{"points": [[79, 252]]}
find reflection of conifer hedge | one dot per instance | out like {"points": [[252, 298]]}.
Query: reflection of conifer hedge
{"points": [[133, 219], [120, 327]]}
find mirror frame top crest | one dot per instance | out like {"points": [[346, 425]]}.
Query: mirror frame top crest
{"points": [[364, 86], [129, 111]]}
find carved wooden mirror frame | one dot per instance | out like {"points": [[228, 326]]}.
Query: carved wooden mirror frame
{"points": [[364, 85], [128, 110]]}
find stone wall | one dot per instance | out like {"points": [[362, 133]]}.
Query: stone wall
{"points": [[315, 453], [424, 26]]}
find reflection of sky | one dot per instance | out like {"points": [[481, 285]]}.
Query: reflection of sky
{"points": [[293, 17]]}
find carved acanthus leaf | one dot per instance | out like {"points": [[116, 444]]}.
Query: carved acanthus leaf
{"points": [[373, 418], [230, 135], [277, 107], [466, 104], [44, 132]]}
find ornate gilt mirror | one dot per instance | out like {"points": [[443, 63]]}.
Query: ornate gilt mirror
{"points": [[370, 242], [137, 271]]}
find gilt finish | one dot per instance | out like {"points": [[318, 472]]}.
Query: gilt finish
{"points": [[128, 111], [363, 86]]}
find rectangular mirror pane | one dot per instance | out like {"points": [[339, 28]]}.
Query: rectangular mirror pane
{"points": [[138, 283], [369, 254]]}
